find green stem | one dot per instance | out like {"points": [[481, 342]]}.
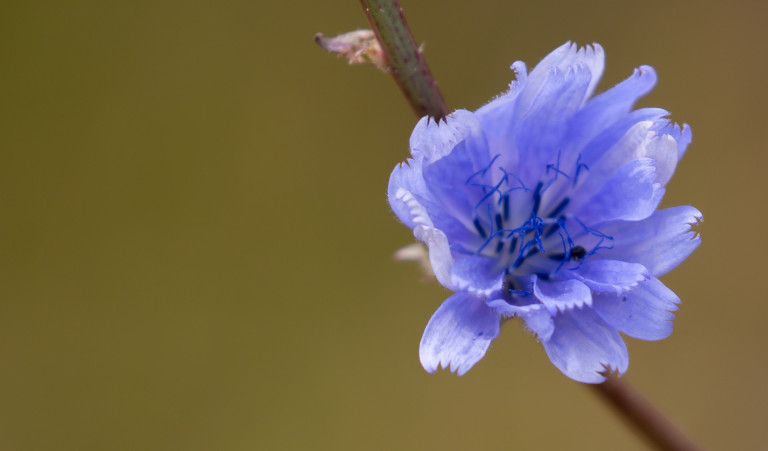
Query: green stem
{"points": [[405, 60], [640, 414]]}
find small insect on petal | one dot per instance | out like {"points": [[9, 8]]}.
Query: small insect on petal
{"points": [[358, 47]]}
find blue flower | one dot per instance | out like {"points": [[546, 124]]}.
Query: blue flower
{"points": [[542, 205]]}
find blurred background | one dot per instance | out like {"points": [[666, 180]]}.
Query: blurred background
{"points": [[196, 248]]}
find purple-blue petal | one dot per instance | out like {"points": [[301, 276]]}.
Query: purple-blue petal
{"points": [[566, 56], [458, 334], [659, 242], [440, 258], [542, 131], [681, 134], [644, 312], [610, 275], [614, 104], [418, 204], [450, 178], [498, 118], [631, 194], [563, 295], [407, 177], [583, 345], [606, 142], [479, 275], [432, 140], [535, 316]]}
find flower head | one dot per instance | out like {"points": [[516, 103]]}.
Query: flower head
{"points": [[542, 205]]}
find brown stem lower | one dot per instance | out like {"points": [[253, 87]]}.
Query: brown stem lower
{"points": [[641, 415]]}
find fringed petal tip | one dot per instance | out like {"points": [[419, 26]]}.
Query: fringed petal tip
{"points": [[458, 334], [571, 55], [521, 75], [681, 133], [644, 313], [562, 296], [432, 140], [583, 345]]}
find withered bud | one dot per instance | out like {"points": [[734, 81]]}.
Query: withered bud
{"points": [[358, 47]]}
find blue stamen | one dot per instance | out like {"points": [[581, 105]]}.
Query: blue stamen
{"points": [[513, 245], [592, 231], [487, 242], [551, 231], [556, 167], [533, 251], [598, 247], [579, 167], [499, 223], [490, 216], [505, 207], [567, 246], [536, 199], [479, 228], [494, 189], [556, 170], [555, 227], [483, 171], [509, 174], [561, 225], [559, 208]]}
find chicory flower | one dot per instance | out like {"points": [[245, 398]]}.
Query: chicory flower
{"points": [[542, 205]]}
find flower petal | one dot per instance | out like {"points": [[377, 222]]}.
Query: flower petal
{"points": [[452, 176], [432, 140], [610, 275], [611, 140], [681, 134], [535, 316], [631, 194], [440, 257], [414, 205], [563, 57], [540, 134], [562, 295], [478, 275], [460, 141], [613, 104], [663, 150], [642, 140], [459, 334], [608, 153], [408, 208], [498, 117], [644, 312], [583, 345], [539, 322], [659, 242]]}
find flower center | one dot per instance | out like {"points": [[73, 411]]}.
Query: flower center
{"points": [[527, 230]]}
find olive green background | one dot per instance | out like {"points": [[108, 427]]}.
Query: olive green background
{"points": [[196, 248]]}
